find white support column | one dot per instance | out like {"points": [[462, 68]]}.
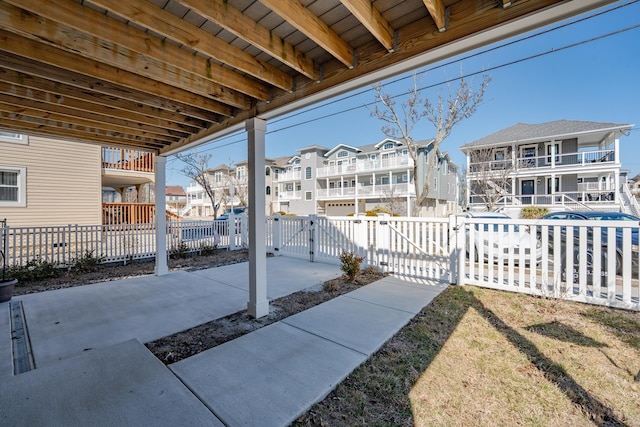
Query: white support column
{"points": [[258, 305], [356, 196], [616, 151], [161, 267]]}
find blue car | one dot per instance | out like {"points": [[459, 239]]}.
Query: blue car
{"points": [[600, 216]]}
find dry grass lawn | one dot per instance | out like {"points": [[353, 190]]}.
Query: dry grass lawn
{"points": [[478, 357]]}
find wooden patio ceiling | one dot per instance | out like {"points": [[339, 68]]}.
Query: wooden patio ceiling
{"points": [[164, 75]]}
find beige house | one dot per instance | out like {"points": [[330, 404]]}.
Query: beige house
{"points": [[45, 181]]}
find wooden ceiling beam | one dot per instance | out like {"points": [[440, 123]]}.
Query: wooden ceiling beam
{"points": [[174, 28], [102, 27], [37, 100], [313, 27], [437, 11], [371, 18], [239, 24], [43, 90], [48, 128], [87, 71], [66, 38], [67, 121]]}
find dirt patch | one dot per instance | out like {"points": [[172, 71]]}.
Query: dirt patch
{"points": [[184, 344], [118, 270]]}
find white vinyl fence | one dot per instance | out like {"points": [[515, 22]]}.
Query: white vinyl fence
{"points": [[529, 256]]}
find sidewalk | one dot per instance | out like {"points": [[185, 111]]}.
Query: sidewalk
{"points": [[268, 377]]}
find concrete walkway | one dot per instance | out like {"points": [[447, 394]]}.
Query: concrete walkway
{"points": [[266, 378]]}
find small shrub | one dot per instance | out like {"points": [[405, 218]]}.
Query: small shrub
{"points": [[330, 286], [180, 251], [34, 270], [533, 212], [88, 262], [350, 264], [207, 249]]}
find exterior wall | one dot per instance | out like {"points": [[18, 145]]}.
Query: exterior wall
{"points": [[63, 182]]}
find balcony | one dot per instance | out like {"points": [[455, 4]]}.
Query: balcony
{"points": [[290, 176], [580, 159], [363, 191], [290, 195], [366, 166], [127, 160], [131, 213]]}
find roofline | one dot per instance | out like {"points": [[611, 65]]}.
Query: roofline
{"points": [[546, 137]]}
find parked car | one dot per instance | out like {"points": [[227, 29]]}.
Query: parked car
{"points": [[491, 236], [597, 216]]}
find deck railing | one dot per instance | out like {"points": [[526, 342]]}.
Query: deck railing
{"points": [[131, 213], [127, 160]]}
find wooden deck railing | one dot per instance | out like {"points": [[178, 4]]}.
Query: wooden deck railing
{"points": [[129, 160], [131, 213]]}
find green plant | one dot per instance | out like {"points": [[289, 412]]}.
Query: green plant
{"points": [[88, 262], [207, 249], [179, 251], [350, 264], [33, 270], [533, 212]]}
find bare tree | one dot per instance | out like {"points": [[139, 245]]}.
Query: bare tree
{"points": [[196, 166], [491, 171], [444, 114], [395, 203]]}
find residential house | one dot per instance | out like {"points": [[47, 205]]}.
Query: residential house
{"points": [[560, 165], [176, 198], [46, 181], [346, 180]]}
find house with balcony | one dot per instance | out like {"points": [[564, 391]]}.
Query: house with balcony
{"points": [[176, 198], [46, 181], [560, 165], [349, 179]]}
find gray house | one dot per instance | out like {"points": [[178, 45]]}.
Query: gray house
{"points": [[561, 165]]}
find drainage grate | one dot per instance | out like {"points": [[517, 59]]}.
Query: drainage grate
{"points": [[21, 345]]}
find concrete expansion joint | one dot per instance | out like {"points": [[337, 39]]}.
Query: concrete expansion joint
{"points": [[323, 338]]}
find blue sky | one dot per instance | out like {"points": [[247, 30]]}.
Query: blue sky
{"points": [[594, 81]]}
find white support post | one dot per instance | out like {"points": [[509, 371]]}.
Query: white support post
{"points": [[161, 267], [616, 151], [258, 305], [461, 249], [231, 223]]}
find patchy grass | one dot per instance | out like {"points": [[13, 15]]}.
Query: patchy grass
{"points": [[484, 358]]}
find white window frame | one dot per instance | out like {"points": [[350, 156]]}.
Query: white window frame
{"points": [[547, 148], [308, 195], [342, 153], [388, 146], [19, 139], [308, 173], [22, 187], [405, 177], [548, 184]]}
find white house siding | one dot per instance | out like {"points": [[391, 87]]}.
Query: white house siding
{"points": [[63, 183]]}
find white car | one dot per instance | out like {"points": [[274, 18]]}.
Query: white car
{"points": [[502, 246]]}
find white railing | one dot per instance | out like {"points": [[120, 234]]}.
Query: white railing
{"points": [[290, 176], [569, 200], [582, 158], [366, 166], [290, 195], [381, 190], [630, 203], [586, 261]]}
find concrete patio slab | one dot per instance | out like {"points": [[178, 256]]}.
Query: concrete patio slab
{"points": [[395, 293], [65, 322], [268, 377], [123, 385], [284, 275], [355, 324]]}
